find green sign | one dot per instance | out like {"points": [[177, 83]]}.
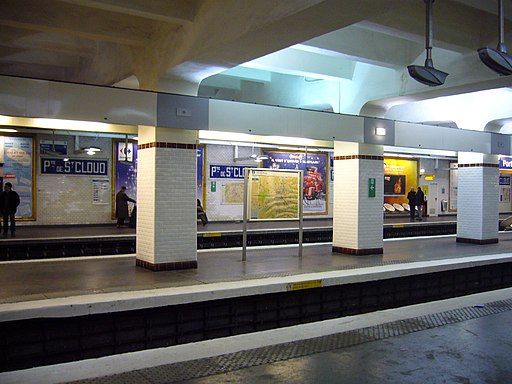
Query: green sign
{"points": [[213, 186], [371, 187]]}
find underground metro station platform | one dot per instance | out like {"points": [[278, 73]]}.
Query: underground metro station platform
{"points": [[63, 310], [48, 242]]}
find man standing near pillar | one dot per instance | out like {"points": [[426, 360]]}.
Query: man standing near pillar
{"points": [[420, 198], [122, 200], [9, 201], [411, 197]]}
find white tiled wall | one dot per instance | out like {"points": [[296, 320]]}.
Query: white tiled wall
{"points": [[67, 199], [477, 209], [146, 204], [357, 218], [216, 209], [346, 204], [223, 155], [371, 218], [167, 217]]}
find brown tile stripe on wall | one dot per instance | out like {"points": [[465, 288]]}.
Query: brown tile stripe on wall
{"points": [[361, 157], [358, 252], [166, 266], [160, 144], [485, 165]]}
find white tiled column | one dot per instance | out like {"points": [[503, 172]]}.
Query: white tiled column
{"points": [[166, 199], [357, 218], [478, 198]]}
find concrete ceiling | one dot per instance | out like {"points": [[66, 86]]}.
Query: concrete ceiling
{"points": [[172, 45]]}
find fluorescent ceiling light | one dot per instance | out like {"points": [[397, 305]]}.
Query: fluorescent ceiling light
{"points": [[379, 131], [8, 130]]}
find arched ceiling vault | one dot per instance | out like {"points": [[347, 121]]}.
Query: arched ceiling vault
{"points": [[362, 45]]}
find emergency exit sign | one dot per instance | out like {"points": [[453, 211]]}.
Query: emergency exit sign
{"points": [[371, 187]]}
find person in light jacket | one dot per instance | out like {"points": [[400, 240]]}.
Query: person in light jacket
{"points": [[122, 200]]}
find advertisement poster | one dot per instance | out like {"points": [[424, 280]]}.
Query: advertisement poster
{"points": [[454, 186], [274, 195], [199, 176], [399, 176], [18, 170], [233, 193], [126, 168], [315, 172]]}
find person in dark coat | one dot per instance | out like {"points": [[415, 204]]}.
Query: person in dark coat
{"points": [[420, 199], [9, 201], [201, 214], [122, 200], [411, 197]]}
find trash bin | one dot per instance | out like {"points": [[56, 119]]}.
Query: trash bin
{"points": [[444, 205]]}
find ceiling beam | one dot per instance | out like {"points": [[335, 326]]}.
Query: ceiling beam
{"points": [[68, 19], [177, 11]]}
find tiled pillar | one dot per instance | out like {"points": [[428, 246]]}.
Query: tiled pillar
{"points": [[166, 199], [357, 218], [478, 198]]}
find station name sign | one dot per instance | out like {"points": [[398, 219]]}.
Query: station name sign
{"points": [[83, 167], [505, 162], [227, 171]]}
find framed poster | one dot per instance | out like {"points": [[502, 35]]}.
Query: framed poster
{"points": [[18, 169], [274, 194], [314, 168]]}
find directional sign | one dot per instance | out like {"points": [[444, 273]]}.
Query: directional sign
{"points": [[371, 187]]}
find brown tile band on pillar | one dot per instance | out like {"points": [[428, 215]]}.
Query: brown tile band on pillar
{"points": [[160, 144], [359, 157], [476, 241], [358, 252], [483, 165], [166, 266]]}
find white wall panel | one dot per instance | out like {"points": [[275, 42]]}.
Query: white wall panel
{"points": [[434, 137], [40, 98], [270, 120]]}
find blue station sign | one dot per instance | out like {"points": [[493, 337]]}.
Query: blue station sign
{"points": [[227, 171], [504, 180], [506, 162], [83, 167]]}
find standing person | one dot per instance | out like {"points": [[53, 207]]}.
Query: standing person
{"points": [[9, 201], [122, 200], [201, 214], [411, 197], [420, 197]]}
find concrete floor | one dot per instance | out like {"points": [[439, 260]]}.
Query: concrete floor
{"points": [[457, 344], [71, 231], [473, 351], [40, 280]]}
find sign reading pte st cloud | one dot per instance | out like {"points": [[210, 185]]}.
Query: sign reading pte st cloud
{"points": [[83, 167]]}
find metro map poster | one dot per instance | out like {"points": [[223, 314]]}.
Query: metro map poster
{"points": [[315, 171]]}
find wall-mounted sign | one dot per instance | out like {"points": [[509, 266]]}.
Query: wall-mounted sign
{"points": [[314, 167], [54, 146], [506, 162], [371, 187], [227, 171], [100, 192], [85, 167], [429, 177], [504, 180]]}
